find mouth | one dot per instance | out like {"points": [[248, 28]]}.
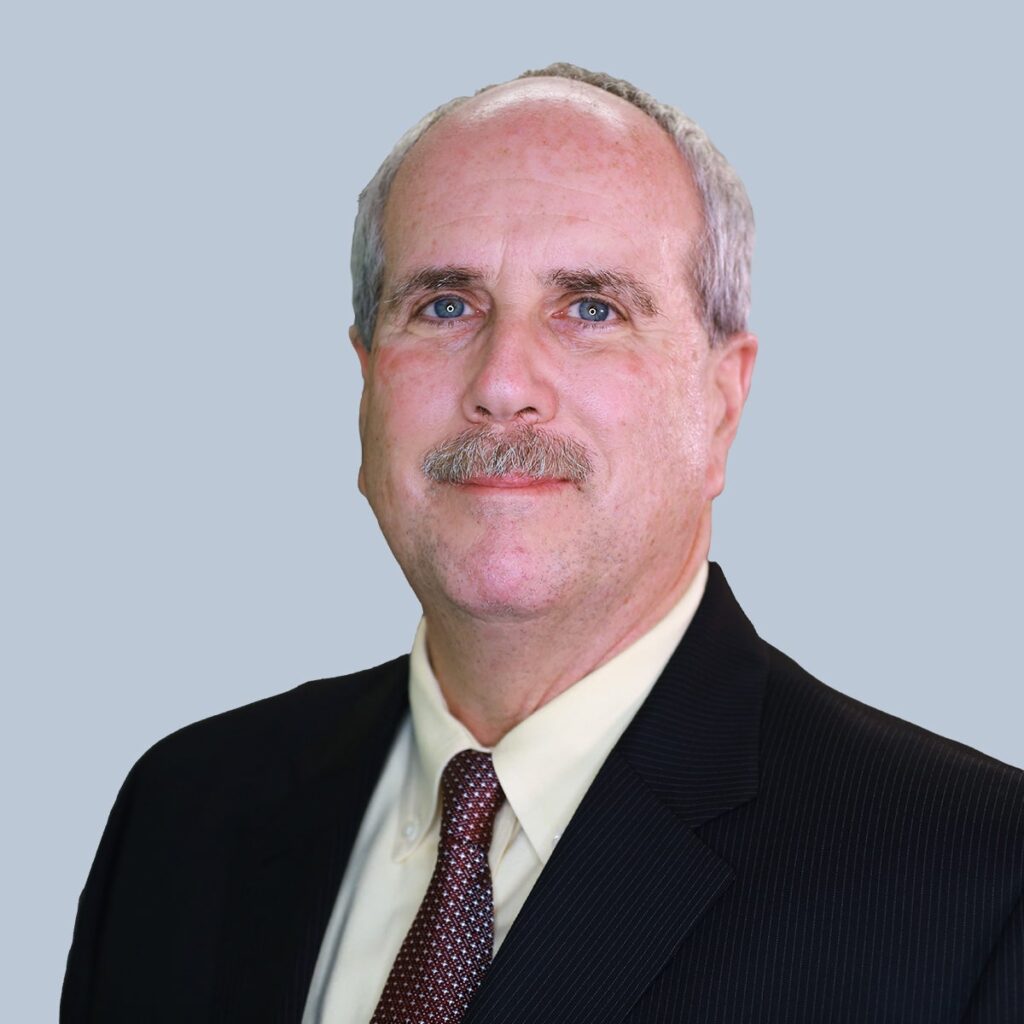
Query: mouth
{"points": [[511, 482]]}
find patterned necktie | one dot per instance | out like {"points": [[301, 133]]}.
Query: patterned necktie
{"points": [[449, 946]]}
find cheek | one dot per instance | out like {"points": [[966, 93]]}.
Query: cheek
{"points": [[648, 420], [409, 396], [644, 408], [609, 389]]}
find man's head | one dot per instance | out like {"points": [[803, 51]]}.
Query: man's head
{"points": [[554, 349], [720, 262]]}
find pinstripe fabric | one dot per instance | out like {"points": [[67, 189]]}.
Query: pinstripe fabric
{"points": [[875, 872], [757, 848]]}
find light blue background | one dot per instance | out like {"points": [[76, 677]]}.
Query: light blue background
{"points": [[182, 531]]}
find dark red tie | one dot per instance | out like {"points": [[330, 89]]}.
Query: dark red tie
{"points": [[450, 944]]}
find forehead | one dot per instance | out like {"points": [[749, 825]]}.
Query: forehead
{"points": [[542, 168]]}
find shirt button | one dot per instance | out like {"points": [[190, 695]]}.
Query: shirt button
{"points": [[409, 831]]}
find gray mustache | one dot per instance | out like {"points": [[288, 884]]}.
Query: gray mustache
{"points": [[485, 451]]}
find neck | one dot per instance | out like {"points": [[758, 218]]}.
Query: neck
{"points": [[495, 673]]}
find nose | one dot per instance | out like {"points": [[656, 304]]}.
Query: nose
{"points": [[512, 377]]}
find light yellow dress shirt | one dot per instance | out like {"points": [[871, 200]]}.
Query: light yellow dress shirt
{"points": [[545, 766]]}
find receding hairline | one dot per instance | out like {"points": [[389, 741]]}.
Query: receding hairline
{"points": [[630, 120], [718, 265], [494, 99], [491, 101]]}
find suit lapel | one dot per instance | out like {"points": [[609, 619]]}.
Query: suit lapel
{"points": [[291, 856], [630, 877], [625, 884]]}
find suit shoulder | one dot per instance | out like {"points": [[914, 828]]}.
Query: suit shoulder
{"points": [[275, 728], [808, 724]]}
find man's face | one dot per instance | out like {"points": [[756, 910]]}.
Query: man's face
{"points": [[537, 245]]}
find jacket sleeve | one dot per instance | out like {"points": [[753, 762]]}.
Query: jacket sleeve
{"points": [[76, 996], [998, 998]]}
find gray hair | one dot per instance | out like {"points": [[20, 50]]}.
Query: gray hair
{"points": [[720, 270], [487, 451]]}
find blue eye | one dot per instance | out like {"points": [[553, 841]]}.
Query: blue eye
{"points": [[449, 307], [591, 309]]}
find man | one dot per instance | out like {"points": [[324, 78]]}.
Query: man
{"points": [[592, 793]]}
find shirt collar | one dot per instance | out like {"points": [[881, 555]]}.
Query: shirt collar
{"points": [[548, 761]]}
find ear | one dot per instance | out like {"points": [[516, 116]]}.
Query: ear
{"points": [[364, 365], [731, 370]]}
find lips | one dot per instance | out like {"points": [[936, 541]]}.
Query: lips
{"points": [[512, 481]]}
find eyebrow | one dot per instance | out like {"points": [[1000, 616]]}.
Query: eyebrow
{"points": [[432, 279], [584, 279], [619, 282]]}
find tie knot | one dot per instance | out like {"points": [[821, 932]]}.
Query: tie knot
{"points": [[471, 796]]}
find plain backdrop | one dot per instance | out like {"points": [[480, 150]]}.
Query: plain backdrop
{"points": [[182, 532]]}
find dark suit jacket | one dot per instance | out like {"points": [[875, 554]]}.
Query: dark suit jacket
{"points": [[757, 847]]}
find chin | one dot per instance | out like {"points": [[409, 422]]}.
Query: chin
{"points": [[510, 586]]}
